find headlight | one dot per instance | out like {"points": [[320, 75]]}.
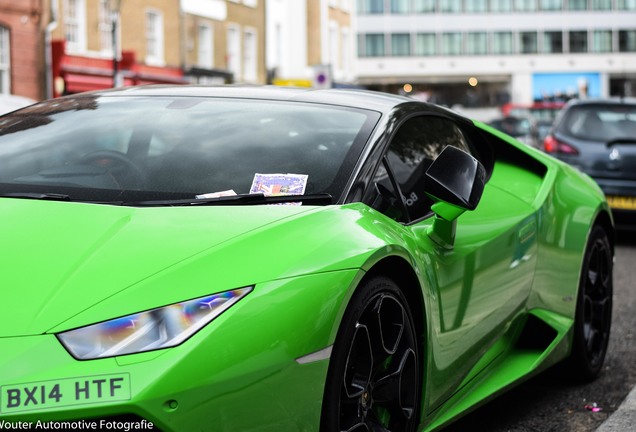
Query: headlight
{"points": [[163, 327]]}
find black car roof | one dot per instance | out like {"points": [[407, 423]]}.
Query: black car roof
{"points": [[356, 98]]}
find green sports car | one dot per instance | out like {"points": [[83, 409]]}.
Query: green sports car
{"points": [[185, 258]]}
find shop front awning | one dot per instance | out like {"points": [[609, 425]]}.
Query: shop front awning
{"points": [[78, 82]]}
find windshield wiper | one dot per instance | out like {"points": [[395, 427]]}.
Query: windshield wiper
{"points": [[37, 196], [242, 199]]}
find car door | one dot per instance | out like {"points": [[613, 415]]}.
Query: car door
{"points": [[481, 281]]}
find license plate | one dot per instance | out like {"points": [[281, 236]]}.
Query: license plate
{"points": [[43, 395], [622, 202]]}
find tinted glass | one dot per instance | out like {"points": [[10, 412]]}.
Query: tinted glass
{"points": [[414, 147], [513, 126], [601, 123], [97, 147]]}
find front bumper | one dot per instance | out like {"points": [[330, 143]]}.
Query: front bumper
{"points": [[238, 373]]}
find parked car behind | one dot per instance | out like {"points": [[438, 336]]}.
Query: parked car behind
{"points": [[522, 128], [599, 137]]}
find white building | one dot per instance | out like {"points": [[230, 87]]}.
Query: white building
{"points": [[488, 52], [310, 42]]}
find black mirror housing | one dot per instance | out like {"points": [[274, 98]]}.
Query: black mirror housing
{"points": [[456, 177]]}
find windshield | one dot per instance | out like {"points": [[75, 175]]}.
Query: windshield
{"points": [[131, 148]]}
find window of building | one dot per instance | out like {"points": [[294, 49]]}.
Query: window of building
{"points": [[578, 41], [250, 3], [75, 25], [551, 5], [476, 43], [627, 41], [233, 51], [601, 5], [476, 6], [502, 43], [500, 5], [334, 45], [154, 37], [451, 44], [345, 43], [424, 6], [250, 55], [525, 5], [105, 27], [425, 44], [372, 45], [400, 44], [400, 6], [601, 41], [450, 6], [205, 46], [552, 42], [577, 4], [528, 42], [5, 61], [371, 6], [626, 4]]}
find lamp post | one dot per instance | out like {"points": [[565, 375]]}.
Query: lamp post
{"points": [[114, 19]]}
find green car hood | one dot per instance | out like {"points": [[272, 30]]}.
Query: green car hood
{"points": [[60, 260]]}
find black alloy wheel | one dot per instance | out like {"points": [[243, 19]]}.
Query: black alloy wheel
{"points": [[373, 382]]}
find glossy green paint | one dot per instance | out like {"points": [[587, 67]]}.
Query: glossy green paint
{"points": [[535, 214], [84, 263], [211, 374]]}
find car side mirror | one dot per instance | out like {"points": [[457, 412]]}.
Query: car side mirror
{"points": [[455, 182]]}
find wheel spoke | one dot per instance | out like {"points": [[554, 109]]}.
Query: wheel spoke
{"points": [[599, 268], [359, 363], [591, 335], [359, 427], [390, 316], [396, 390]]}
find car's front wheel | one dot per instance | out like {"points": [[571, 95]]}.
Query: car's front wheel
{"points": [[374, 383]]}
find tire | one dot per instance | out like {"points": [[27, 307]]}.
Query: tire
{"points": [[593, 309], [373, 382]]}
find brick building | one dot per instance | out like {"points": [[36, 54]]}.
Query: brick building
{"points": [[54, 47], [22, 54], [99, 44]]}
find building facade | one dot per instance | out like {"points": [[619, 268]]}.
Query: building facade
{"points": [[204, 40], [245, 41], [311, 43], [71, 46], [490, 52], [98, 44], [104, 43]]}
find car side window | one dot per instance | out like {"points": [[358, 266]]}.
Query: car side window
{"points": [[413, 148]]}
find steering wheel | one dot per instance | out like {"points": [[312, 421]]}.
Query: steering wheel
{"points": [[123, 170]]}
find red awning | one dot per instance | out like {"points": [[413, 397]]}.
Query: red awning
{"points": [[76, 83]]}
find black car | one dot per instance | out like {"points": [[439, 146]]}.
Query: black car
{"points": [[599, 138]]}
